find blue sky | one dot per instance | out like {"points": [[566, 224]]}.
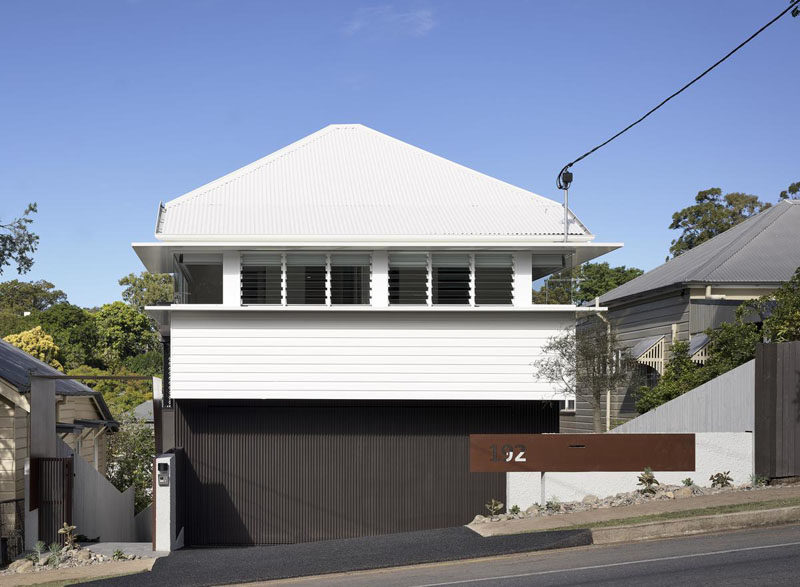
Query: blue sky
{"points": [[106, 107]]}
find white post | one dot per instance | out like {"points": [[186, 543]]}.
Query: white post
{"points": [[430, 279], [166, 533], [543, 496], [472, 279], [231, 280], [379, 294], [523, 279]]}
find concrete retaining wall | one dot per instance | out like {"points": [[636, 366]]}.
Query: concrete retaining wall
{"points": [[715, 452]]}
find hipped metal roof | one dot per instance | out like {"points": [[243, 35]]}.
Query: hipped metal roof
{"points": [[762, 250], [350, 180], [16, 366]]}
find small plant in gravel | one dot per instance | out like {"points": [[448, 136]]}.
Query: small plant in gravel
{"points": [[494, 507], [55, 554], [514, 511], [687, 482], [553, 505], [758, 481], [119, 555], [648, 482], [721, 479], [68, 532]]}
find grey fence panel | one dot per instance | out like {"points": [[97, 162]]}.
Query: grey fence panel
{"points": [[724, 404]]}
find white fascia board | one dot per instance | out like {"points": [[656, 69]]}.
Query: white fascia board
{"points": [[157, 256], [377, 394], [154, 310], [360, 240]]}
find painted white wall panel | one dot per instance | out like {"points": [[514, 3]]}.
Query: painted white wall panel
{"points": [[452, 355], [715, 452]]}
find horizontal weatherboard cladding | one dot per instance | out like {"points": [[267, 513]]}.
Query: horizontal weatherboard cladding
{"points": [[360, 356], [269, 472]]}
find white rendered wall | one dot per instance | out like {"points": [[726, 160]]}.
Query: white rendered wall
{"points": [[715, 452], [370, 355]]}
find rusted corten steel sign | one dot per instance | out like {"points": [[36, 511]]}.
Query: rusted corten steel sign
{"points": [[499, 453]]}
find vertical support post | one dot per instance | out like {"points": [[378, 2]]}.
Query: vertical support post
{"points": [[165, 532], [523, 279], [566, 214], [430, 279], [283, 279], [543, 496], [231, 278], [472, 279], [328, 279], [379, 281]]}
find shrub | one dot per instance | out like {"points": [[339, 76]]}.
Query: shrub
{"points": [[494, 507], [514, 510], [554, 505], [648, 482], [687, 482], [721, 479]]}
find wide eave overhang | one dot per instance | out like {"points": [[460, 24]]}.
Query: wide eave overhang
{"points": [[157, 256]]}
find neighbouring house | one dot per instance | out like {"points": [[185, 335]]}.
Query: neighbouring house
{"points": [[348, 310], [82, 419], [689, 294]]}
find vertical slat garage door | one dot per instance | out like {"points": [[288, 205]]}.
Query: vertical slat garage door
{"points": [[278, 472]]}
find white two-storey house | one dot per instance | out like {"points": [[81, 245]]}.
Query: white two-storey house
{"points": [[348, 310]]}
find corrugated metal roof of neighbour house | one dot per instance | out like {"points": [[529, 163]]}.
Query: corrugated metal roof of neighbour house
{"points": [[16, 366], [351, 180], [765, 248], [644, 345]]}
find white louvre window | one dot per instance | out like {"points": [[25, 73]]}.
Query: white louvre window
{"points": [[350, 278], [305, 278], [261, 278], [408, 278], [451, 278], [494, 276]]}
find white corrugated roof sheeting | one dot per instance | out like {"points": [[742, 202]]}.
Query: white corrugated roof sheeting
{"points": [[352, 180]]}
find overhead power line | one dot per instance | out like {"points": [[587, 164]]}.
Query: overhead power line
{"points": [[565, 177]]}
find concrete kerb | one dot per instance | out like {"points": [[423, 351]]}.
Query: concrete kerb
{"points": [[697, 525]]}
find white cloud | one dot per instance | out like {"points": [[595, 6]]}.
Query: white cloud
{"points": [[386, 20]]}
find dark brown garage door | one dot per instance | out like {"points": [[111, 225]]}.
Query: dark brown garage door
{"points": [[269, 472]]}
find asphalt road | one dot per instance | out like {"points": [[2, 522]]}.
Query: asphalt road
{"points": [[768, 556]]}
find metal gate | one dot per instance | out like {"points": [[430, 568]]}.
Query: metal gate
{"points": [[53, 495], [279, 472]]}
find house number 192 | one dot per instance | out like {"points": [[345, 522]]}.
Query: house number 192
{"points": [[509, 453]]}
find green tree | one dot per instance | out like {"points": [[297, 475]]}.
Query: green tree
{"points": [[584, 283], [586, 363], [150, 363], [11, 323], [74, 330], [791, 192], [147, 289], [18, 242], [123, 332], [37, 343], [131, 451], [711, 214], [29, 296], [680, 375], [121, 396]]}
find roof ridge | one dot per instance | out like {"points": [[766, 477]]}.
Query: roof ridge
{"points": [[761, 222]]}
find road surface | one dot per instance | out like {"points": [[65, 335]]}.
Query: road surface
{"points": [[767, 556]]}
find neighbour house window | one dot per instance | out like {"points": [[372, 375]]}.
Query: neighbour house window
{"points": [[261, 278], [305, 278], [350, 278], [198, 278], [494, 276], [408, 278], [451, 278]]}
